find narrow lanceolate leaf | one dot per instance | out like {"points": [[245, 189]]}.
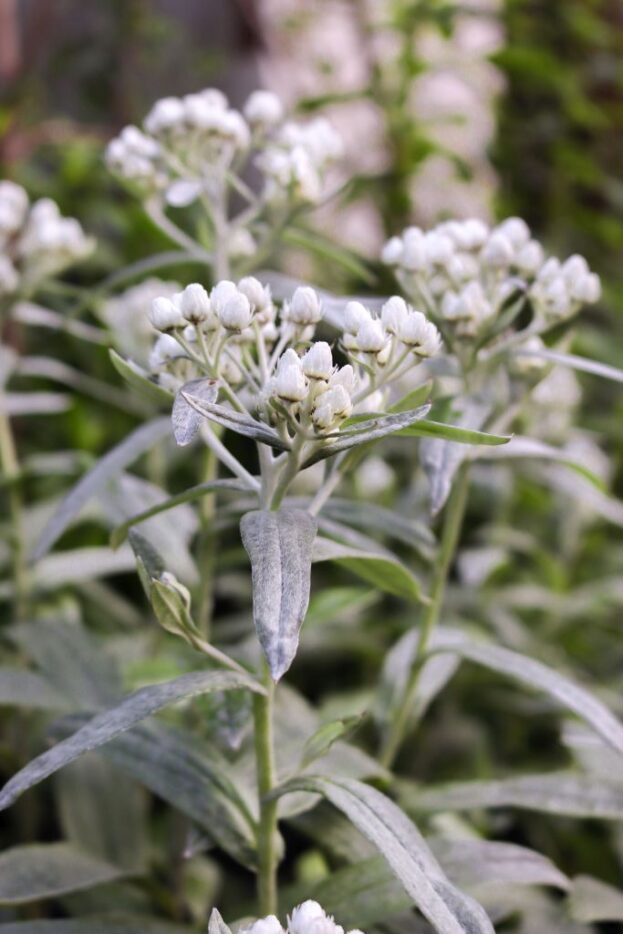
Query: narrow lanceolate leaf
{"points": [[279, 545], [441, 458], [575, 363], [405, 850], [185, 417], [430, 429], [566, 793], [591, 900], [522, 448], [537, 675], [36, 871], [109, 466], [472, 862], [139, 380], [321, 741], [20, 687], [235, 421], [380, 567], [108, 724], [362, 432]]}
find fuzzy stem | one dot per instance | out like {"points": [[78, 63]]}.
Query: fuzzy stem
{"points": [[453, 521], [10, 473], [268, 856]]}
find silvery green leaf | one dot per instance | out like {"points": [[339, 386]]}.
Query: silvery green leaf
{"points": [[216, 925], [37, 315], [363, 432], [442, 459], [20, 687], [430, 429], [279, 545], [119, 534], [185, 417], [575, 363], [321, 741], [234, 421], [48, 368], [372, 517], [472, 863], [79, 564], [529, 671], [35, 403], [577, 487], [44, 870], [139, 380], [71, 660], [108, 724], [398, 840], [592, 900], [566, 793], [126, 924], [111, 464], [191, 778], [531, 448], [379, 567], [103, 812]]}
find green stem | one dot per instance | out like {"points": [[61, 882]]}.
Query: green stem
{"points": [[9, 465], [267, 851], [453, 521], [207, 549]]}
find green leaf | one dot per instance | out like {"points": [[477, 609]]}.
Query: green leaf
{"points": [[139, 380], [430, 429], [321, 741], [363, 432], [30, 873], [405, 850], [591, 900], [18, 404], [532, 448], [279, 545], [234, 421], [326, 249], [380, 568], [20, 687], [185, 417], [441, 458], [119, 534], [105, 726], [537, 675], [116, 460], [564, 793]]}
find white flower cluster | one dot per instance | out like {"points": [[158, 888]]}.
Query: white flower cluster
{"points": [[124, 315], [236, 334], [464, 272], [188, 144], [36, 241], [307, 918]]}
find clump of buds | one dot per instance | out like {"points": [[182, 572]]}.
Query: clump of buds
{"points": [[307, 918], [36, 241]]}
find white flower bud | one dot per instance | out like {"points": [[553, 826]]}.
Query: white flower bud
{"points": [[165, 314], [588, 290], [221, 293], [13, 207], [166, 348], [550, 270], [414, 252], [9, 278], [530, 257], [375, 476], [263, 109], [236, 314], [392, 252], [345, 377], [476, 233], [258, 295], [394, 313], [515, 230], [290, 383], [355, 314], [309, 918], [241, 243], [497, 251], [420, 334], [318, 361], [370, 336], [304, 307], [439, 248], [166, 114], [195, 304]]}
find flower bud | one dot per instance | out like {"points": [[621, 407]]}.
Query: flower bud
{"points": [[370, 336], [236, 314], [290, 383], [221, 293], [165, 314], [263, 109], [195, 304], [414, 250], [354, 316], [497, 251], [304, 307], [268, 925], [393, 314], [166, 348], [529, 259], [392, 252], [241, 243], [258, 295], [420, 334], [166, 114], [439, 248], [515, 230], [345, 377], [318, 361], [588, 289]]}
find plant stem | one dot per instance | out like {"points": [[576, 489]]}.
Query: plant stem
{"points": [[453, 521], [267, 827], [9, 465]]}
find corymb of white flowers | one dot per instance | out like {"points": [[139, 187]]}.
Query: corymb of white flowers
{"points": [[266, 361], [188, 146], [307, 918], [475, 281], [36, 241]]}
